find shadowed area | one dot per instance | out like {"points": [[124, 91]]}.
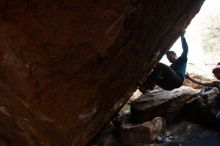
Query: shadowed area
{"points": [[66, 67]]}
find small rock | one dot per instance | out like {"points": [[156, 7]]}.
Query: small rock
{"points": [[146, 132]]}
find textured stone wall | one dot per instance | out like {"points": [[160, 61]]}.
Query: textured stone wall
{"points": [[67, 66]]}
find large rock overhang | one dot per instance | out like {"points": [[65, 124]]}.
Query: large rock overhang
{"points": [[67, 66]]}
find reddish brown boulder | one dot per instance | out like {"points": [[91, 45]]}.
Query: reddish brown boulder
{"points": [[70, 65], [146, 132]]}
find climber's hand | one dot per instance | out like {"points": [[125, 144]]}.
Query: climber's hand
{"points": [[182, 33]]}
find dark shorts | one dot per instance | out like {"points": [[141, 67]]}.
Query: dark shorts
{"points": [[165, 77]]}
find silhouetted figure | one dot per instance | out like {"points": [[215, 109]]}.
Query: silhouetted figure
{"points": [[168, 77]]}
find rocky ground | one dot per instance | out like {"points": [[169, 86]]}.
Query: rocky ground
{"points": [[179, 132], [183, 117]]}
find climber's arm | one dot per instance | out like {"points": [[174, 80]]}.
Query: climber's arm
{"points": [[184, 44], [205, 83]]}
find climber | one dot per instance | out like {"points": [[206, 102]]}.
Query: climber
{"points": [[168, 77]]}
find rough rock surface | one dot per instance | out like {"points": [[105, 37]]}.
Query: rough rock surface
{"points": [[160, 103], [146, 132], [203, 108], [67, 66]]}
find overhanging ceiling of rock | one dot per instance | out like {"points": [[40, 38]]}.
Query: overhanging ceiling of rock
{"points": [[67, 66]]}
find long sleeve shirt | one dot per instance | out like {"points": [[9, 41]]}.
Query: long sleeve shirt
{"points": [[179, 66]]}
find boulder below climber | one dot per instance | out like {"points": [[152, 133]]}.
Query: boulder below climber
{"points": [[160, 103], [204, 108]]}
